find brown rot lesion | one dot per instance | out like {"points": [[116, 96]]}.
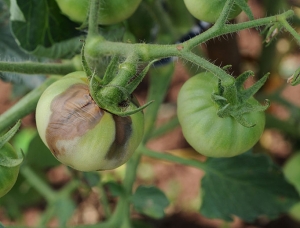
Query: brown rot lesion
{"points": [[123, 132], [74, 112]]}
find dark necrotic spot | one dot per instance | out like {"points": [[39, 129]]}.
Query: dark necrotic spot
{"points": [[123, 133], [73, 113]]}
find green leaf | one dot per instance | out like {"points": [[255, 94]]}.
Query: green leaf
{"points": [[248, 186], [10, 51], [40, 28], [150, 201], [115, 188], [1, 225]]}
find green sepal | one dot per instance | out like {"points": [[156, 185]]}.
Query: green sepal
{"points": [[135, 81], [111, 70], [246, 94], [85, 65], [244, 6], [6, 137], [235, 101], [241, 79], [271, 31], [10, 162], [295, 78]]}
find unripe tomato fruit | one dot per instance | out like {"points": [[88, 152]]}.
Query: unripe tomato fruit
{"points": [[8, 175], [210, 10], [204, 130], [79, 133], [110, 12]]}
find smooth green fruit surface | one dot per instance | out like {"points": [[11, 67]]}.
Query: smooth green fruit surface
{"points": [[209, 10], [8, 175], [79, 133], [110, 12]]}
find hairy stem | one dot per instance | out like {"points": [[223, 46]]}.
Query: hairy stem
{"points": [[38, 183], [93, 17], [37, 68], [172, 158]]}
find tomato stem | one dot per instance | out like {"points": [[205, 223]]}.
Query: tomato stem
{"points": [[37, 68], [172, 158], [93, 17]]}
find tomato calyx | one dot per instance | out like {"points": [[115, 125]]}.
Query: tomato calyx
{"points": [[113, 92], [236, 101]]}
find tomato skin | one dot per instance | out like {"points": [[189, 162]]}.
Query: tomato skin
{"points": [[111, 12], [8, 175], [79, 133], [209, 10], [204, 130]]}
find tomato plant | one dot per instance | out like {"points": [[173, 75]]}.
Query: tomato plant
{"points": [[209, 11], [208, 133], [90, 120], [8, 175], [110, 12], [79, 133]]}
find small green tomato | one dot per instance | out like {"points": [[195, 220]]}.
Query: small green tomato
{"points": [[79, 133], [210, 10], [8, 175], [110, 12]]}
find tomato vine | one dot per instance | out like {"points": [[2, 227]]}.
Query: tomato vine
{"points": [[106, 76]]}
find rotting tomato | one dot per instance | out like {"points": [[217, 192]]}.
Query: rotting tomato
{"points": [[8, 175], [204, 130], [111, 12], [210, 10], [79, 133]]}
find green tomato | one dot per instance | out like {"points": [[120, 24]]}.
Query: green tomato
{"points": [[8, 175], [79, 133], [209, 10], [111, 11], [204, 130]]}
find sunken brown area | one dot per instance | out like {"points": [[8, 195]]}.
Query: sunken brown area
{"points": [[73, 113], [123, 133]]}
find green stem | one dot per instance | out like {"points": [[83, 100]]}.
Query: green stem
{"points": [[37, 68], [97, 47], [205, 64], [70, 187], [122, 213], [24, 106], [217, 30], [172, 158], [38, 183], [167, 127], [93, 18], [104, 200], [289, 28], [224, 14]]}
